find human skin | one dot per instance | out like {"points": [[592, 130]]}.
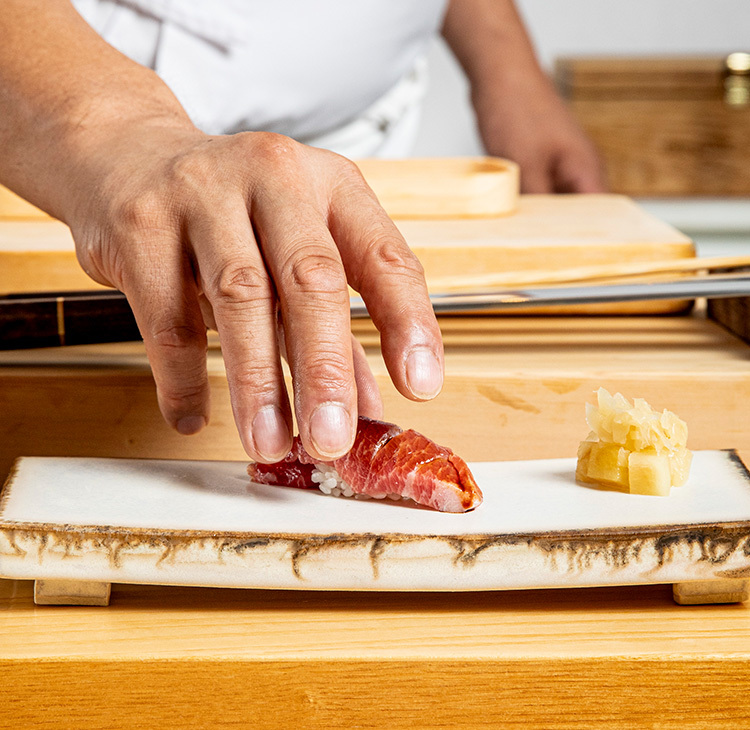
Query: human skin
{"points": [[252, 233], [519, 114]]}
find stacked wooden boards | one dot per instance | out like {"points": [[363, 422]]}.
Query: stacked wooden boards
{"points": [[545, 233], [620, 658], [515, 389]]}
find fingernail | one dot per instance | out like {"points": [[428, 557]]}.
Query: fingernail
{"points": [[189, 425], [424, 376], [270, 433], [330, 430]]}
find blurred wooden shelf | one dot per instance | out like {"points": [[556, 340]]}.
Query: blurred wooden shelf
{"points": [[665, 126]]}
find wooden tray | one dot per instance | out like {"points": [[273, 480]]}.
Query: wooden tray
{"points": [[437, 188], [451, 187], [77, 525]]}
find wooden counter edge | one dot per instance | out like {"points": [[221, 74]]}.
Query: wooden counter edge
{"points": [[616, 692]]}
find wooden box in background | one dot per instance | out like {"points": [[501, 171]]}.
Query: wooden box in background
{"points": [[665, 126]]}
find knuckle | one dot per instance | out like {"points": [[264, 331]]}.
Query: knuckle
{"points": [[178, 396], [391, 255], [142, 212], [313, 271], [240, 283], [276, 149], [175, 336], [256, 377], [192, 174], [349, 180], [349, 171], [331, 372]]}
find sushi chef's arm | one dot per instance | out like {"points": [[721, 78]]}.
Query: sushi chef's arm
{"points": [[235, 230], [519, 114]]}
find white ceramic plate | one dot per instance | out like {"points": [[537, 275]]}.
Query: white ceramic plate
{"points": [[205, 523]]}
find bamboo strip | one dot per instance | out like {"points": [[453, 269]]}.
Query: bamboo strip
{"points": [[585, 273]]}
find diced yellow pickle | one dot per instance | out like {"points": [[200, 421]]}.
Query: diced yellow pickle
{"points": [[633, 446], [679, 466], [582, 465], [608, 463], [649, 474]]}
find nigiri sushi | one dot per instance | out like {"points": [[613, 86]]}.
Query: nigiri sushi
{"points": [[385, 461]]}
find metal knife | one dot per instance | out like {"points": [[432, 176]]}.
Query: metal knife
{"points": [[711, 287]]}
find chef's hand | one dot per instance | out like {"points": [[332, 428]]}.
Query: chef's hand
{"points": [[519, 114], [251, 232], [257, 235], [526, 121]]}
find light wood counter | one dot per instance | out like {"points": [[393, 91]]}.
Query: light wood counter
{"points": [[195, 658]]}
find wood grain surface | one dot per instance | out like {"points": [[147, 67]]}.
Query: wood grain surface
{"points": [[448, 187], [660, 77], [193, 658], [546, 233], [515, 389], [734, 314]]}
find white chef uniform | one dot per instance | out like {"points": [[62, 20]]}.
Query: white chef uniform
{"points": [[347, 75]]}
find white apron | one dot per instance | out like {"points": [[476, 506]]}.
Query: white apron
{"points": [[345, 75]]}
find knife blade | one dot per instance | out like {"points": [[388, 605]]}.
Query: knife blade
{"points": [[710, 287]]}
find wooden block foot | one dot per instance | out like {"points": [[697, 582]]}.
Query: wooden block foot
{"points": [[694, 593], [71, 593]]}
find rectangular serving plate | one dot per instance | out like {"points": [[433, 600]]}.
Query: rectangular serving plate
{"points": [[204, 523]]}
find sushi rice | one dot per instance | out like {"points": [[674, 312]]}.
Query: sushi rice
{"points": [[330, 482]]}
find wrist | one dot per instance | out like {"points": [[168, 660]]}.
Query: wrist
{"points": [[108, 148], [506, 80]]}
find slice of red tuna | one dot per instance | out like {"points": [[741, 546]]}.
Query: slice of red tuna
{"points": [[386, 460]]}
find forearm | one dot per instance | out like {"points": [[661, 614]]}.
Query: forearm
{"points": [[490, 42], [62, 90], [519, 114]]}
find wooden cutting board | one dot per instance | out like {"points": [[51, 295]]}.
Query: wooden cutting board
{"points": [[545, 233]]}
